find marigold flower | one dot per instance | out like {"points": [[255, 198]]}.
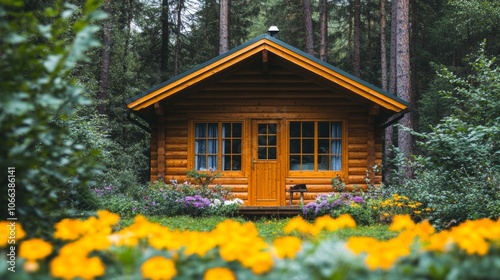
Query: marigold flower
{"points": [[35, 249], [158, 268], [219, 273], [68, 229], [76, 266], [5, 232], [401, 222], [287, 247]]}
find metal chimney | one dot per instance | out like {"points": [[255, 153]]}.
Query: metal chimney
{"points": [[273, 31]]}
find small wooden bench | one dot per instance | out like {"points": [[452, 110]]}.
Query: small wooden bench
{"points": [[300, 188]]}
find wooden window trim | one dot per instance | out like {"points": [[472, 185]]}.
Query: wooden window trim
{"points": [[318, 173], [191, 146]]}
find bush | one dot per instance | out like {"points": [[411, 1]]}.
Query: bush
{"points": [[457, 174]]}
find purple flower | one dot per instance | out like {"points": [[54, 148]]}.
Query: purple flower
{"points": [[358, 199]]}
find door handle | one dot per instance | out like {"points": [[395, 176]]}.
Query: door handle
{"points": [[253, 164]]}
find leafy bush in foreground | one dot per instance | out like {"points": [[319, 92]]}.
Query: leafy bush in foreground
{"points": [[233, 250]]}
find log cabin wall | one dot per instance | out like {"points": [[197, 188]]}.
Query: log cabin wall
{"points": [[277, 94]]}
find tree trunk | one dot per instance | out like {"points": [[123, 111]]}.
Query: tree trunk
{"points": [[308, 27], [357, 38], [323, 28], [392, 66], [383, 46], [403, 86], [164, 39], [389, 131], [178, 37], [105, 60], [224, 27]]}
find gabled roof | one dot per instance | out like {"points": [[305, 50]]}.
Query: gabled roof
{"points": [[243, 52]]}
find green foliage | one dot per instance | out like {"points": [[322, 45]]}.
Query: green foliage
{"points": [[38, 51], [458, 173], [203, 178]]}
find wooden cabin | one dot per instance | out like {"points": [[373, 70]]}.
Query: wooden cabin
{"points": [[267, 116]]}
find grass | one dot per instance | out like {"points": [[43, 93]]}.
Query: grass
{"points": [[269, 228]]}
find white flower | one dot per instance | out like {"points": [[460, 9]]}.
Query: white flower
{"points": [[216, 202]]}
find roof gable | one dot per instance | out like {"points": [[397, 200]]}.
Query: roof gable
{"points": [[296, 57]]}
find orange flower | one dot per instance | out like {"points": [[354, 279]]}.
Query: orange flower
{"points": [[158, 268], [401, 222], [219, 273], [287, 247], [10, 231], [35, 249]]}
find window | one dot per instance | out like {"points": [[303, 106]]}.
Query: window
{"points": [[217, 146], [315, 146]]}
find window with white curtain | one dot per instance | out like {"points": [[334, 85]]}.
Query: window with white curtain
{"points": [[217, 146], [315, 146]]}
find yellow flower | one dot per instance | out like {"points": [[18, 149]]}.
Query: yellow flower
{"points": [[35, 249], [158, 268], [68, 229], [302, 226], [401, 222], [259, 263], [76, 266], [107, 218], [10, 232], [219, 273], [438, 242], [287, 247]]}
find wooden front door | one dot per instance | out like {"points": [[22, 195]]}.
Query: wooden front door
{"points": [[266, 189]]}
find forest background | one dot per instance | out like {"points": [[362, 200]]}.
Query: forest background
{"points": [[145, 42]]}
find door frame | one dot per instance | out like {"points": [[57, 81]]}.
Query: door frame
{"points": [[280, 153]]}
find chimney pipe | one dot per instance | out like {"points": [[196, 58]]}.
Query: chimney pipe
{"points": [[273, 31]]}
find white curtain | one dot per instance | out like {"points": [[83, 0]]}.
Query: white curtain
{"points": [[206, 145], [336, 146]]}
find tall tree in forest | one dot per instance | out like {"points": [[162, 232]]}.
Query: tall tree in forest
{"points": [[383, 46], [224, 27], [308, 27], [164, 39], [323, 28], [105, 59], [180, 5], [357, 38], [403, 87]]}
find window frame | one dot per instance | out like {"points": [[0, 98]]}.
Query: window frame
{"points": [[315, 172], [220, 139]]}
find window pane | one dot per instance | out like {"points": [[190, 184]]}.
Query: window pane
{"points": [[212, 162], [200, 130], [201, 163], [262, 140], [212, 146], [308, 163], [201, 146], [323, 129], [237, 130], [226, 130], [308, 146], [271, 129], [237, 146], [271, 153], [213, 130], [307, 129], [271, 140], [323, 146], [236, 163], [294, 162], [295, 146], [226, 146], [226, 163], [295, 129], [262, 153], [262, 128]]}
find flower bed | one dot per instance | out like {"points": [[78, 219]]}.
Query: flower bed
{"points": [[90, 249]]}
